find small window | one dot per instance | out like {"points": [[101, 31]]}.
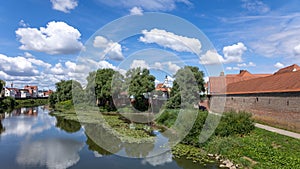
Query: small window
{"points": [[287, 103], [257, 99], [232, 98], [269, 101]]}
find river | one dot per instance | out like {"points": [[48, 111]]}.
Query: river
{"points": [[31, 138]]}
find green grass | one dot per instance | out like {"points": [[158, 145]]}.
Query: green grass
{"points": [[259, 149]]}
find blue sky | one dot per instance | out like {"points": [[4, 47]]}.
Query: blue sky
{"points": [[42, 42]]}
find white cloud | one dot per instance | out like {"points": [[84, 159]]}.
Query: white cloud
{"points": [[171, 40], [22, 23], [51, 154], [56, 38], [64, 5], [112, 50], [28, 55], [211, 57], [150, 5], [19, 66], [139, 63], [297, 50], [234, 52], [279, 65], [39, 62], [250, 64], [256, 6], [232, 68], [136, 11], [57, 69], [173, 67]]}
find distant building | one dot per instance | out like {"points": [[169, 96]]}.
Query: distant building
{"points": [[47, 93], [24, 93], [33, 90], [164, 88], [11, 92], [273, 97]]}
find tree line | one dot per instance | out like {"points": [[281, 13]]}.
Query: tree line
{"points": [[105, 84]]}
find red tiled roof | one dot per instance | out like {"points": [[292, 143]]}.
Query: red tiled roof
{"points": [[217, 84], [284, 81], [291, 68]]}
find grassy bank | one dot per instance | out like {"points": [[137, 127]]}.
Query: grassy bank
{"points": [[9, 103], [236, 139]]}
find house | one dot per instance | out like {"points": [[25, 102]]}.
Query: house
{"points": [[24, 93], [41, 93], [273, 97], [33, 90], [47, 93], [11, 92], [164, 88]]}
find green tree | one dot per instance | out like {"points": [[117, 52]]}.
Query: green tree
{"points": [[106, 84], [2, 84], [186, 86], [64, 91], [139, 83]]}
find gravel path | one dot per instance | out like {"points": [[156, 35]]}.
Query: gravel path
{"points": [[279, 131]]}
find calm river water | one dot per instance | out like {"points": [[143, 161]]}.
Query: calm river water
{"points": [[31, 138]]}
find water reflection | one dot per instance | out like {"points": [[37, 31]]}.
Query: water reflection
{"points": [[54, 153], [70, 126], [2, 129], [159, 160], [21, 123]]}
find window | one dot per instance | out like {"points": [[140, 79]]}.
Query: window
{"points": [[287, 103], [257, 99]]}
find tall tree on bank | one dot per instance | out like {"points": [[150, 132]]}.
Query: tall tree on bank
{"points": [[105, 83], [187, 85], [2, 84], [64, 91], [139, 83]]}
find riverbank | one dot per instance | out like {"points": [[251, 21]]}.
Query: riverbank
{"points": [[9, 103], [257, 148]]}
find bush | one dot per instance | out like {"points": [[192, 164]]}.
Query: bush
{"points": [[65, 105], [233, 123], [167, 117]]}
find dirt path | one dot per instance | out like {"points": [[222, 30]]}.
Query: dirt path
{"points": [[279, 131]]}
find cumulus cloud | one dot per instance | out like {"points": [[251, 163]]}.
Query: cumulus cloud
{"points": [[234, 52], [64, 5], [139, 63], [171, 40], [173, 67], [22, 23], [56, 38], [250, 64], [57, 69], [53, 154], [297, 50], [279, 65], [150, 5], [112, 50], [136, 11], [20, 66], [232, 68], [211, 57], [256, 6]]}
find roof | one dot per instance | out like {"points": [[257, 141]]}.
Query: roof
{"points": [[161, 87], [288, 69], [15, 89], [282, 82], [217, 84]]}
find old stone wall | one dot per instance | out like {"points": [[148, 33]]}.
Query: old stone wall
{"points": [[274, 102]]}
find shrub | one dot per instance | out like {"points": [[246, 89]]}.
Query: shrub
{"points": [[167, 117], [233, 123]]}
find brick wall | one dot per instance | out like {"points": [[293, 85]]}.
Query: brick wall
{"points": [[281, 109]]}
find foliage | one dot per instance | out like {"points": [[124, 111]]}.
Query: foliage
{"points": [[2, 84], [167, 117], [233, 123], [70, 126], [7, 103], [106, 84], [186, 87], [64, 91], [31, 102], [259, 149], [139, 82]]}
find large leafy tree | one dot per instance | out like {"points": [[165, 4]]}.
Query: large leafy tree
{"points": [[139, 83], [64, 91], [2, 84], [186, 86], [106, 84]]}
